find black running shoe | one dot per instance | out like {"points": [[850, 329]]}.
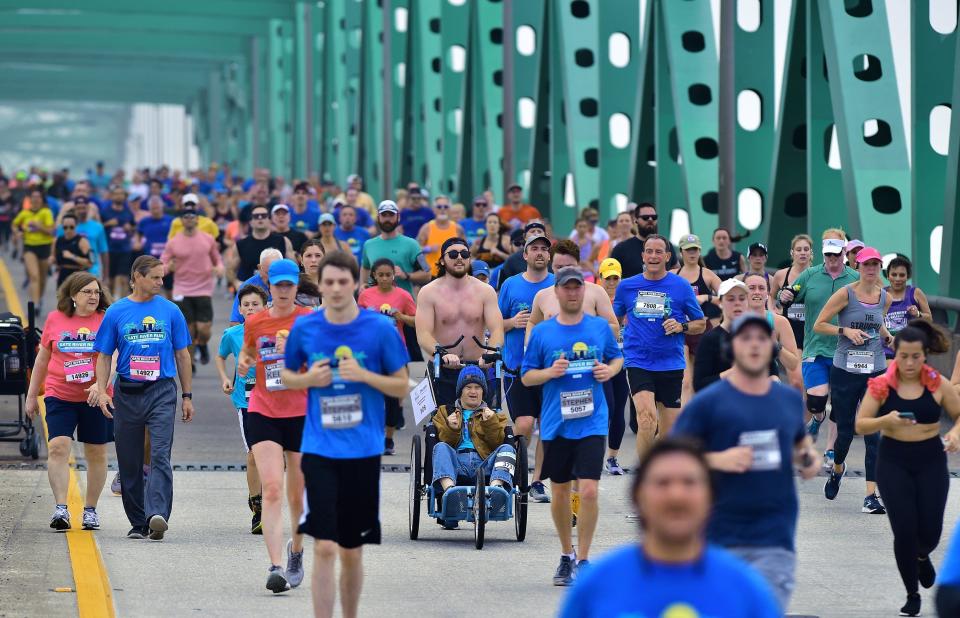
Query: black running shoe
{"points": [[138, 532], [204, 354], [564, 573], [832, 487], [912, 606], [926, 573], [388, 447], [871, 504]]}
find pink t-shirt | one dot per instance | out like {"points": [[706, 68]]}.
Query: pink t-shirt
{"points": [[72, 367], [398, 300], [195, 257], [265, 337]]}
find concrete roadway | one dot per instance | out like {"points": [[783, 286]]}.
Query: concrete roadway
{"points": [[209, 564]]}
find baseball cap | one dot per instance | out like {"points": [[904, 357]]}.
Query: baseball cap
{"points": [[854, 244], [568, 274], [757, 246], [832, 246], [692, 241], [326, 218], [279, 207], [729, 284], [516, 237], [388, 206], [534, 225], [480, 267], [610, 266], [302, 186], [868, 253], [189, 198], [284, 271], [534, 239], [514, 186], [750, 319]]}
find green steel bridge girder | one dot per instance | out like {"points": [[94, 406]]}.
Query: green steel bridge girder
{"points": [[218, 9], [152, 45], [950, 255], [112, 21]]}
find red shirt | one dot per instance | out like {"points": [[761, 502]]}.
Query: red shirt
{"points": [[265, 337], [524, 214], [397, 300], [73, 363]]}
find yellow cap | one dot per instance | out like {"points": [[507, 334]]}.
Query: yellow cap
{"points": [[610, 266]]}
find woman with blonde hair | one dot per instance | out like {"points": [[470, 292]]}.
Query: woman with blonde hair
{"points": [[801, 255]]}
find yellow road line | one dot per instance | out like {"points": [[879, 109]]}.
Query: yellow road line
{"points": [[94, 596]]}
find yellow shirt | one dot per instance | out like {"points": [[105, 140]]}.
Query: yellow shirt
{"points": [[42, 217], [204, 224]]}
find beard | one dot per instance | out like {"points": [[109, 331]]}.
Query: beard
{"points": [[646, 229], [457, 273], [388, 226]]}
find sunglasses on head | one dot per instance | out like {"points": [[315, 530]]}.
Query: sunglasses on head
{"points": [[648, 217], [454, 253], [260, 215]]}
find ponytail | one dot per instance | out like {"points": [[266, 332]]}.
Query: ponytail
{"points": [[934, 339]]}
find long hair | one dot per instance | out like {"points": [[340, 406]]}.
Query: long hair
{"points": [[933, 338], [72, 285]]}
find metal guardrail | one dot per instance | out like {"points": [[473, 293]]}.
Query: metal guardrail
{"points": [[946, 312]]}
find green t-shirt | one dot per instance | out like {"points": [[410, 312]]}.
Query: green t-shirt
{"points": [[403, 251], [813, 288]]}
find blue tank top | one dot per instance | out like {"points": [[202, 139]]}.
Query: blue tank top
{"points": [[898, 315]]}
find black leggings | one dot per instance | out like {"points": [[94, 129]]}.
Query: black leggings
{"points": [[846, 391], [616, 392], [913, 481]]}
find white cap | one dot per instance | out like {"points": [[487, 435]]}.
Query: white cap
{"points": [[279, 207], [189, 198], [729, 284], [833, 246]]}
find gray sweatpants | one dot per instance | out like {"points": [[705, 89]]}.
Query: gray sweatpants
{"points": [[777, 565], [154, 410]]}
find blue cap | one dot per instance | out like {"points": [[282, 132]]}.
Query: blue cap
{"points": [[471, 374], [327, 218], [284, 271], [480, 268]]}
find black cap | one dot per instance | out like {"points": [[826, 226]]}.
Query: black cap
{"points": [[750, 319], [413, 191], [533, 225], [516, 237], [757, 246], [302, 186]]}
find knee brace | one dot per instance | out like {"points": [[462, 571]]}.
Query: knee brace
{"points": [[506, 461], [816, 404]]}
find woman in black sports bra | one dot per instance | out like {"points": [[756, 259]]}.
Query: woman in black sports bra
{"points": [[905, 405], [801, 250], [705, 284]]}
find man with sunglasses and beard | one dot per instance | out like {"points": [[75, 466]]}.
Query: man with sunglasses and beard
{"points": [[454, 305], [629, 252]]}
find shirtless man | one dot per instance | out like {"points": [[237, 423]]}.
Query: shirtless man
{"points": [[452, 305]]}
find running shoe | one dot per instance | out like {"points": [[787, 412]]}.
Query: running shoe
{"points": [[613, 467], [871, 504], [256, 507], [138, 532], [388, 447], [832, 487], [115, 484], [61, 519], [158, 526], [276, 582], [294, 572], [926, 574], [564, 574], [91, 521], [204, 354], [828, 459], [912, 606], [538, 492], [813, 427], [574, 506]]}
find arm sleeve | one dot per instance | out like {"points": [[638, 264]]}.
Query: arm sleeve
{"points": [[101, 245], [224, 348], [410, 307], [503, 303], [801, 281]]}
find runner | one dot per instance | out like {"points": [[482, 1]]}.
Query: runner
{"points": [[705, 285], [435, 233], [515, 301], [71, 251], [451, 307], [852, 248], [657, 306], [787, 353], [281, 220], [275, 416], [404, 252], [151, 339], [517, 263], [252, 300], [351, 359], [415, 215], [619, 390], [65, 367], [908, 301], [305, 216], [259, 279], [721, 258], [475, 227], [629, 252], [713, 361], [515, 213], [493, 246], [33, 227], [860, 308], [244, 255], [397, 304], [673, 571], [310, 255], [756, 262], [94, 233], [152, 234], [801, 254], [752, 429], [118, 222], [193, 258], [350, 233], [905, 405]]}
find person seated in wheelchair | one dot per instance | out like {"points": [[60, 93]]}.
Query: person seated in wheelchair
{"points": [[471, 437]]}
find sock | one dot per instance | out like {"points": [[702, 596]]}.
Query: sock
{"points": [[572, 556]]}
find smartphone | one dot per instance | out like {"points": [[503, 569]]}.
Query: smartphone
{"points": [[909, 415]]}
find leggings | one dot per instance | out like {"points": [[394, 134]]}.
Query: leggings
{"points": [[913, 480], [846, 391], [616, 391]]}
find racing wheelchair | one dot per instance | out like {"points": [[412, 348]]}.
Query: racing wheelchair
{"points": [[448, 511]]}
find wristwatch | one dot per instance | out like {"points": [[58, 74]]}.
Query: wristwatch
{"points": [[839, 330], [685, 326], [186, 395]]}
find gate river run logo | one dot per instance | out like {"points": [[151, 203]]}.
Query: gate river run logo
{"points": [[582, 357], [148, 331]]}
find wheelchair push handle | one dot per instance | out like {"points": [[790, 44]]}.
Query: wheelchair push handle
{"points": [[439, 351]]}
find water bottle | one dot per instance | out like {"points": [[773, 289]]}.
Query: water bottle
{"points": [[12, 361]]}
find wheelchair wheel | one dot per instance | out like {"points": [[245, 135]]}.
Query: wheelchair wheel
{"points": [[479, 509], [416, 489], [520, 498]]}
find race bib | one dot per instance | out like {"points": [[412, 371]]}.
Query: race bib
{"points": [[118, 233], [576, 404], [859, 361], [620, 338], [156, 249], [650, 305], [766, 449], [145, 368], [79, 371], [797, 312], [341, 412], [248, 385], [272, 372]]}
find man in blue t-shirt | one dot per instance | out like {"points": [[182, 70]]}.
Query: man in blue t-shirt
{"points": [[348, 231], [416, 214], [348, 359], [752, 429], [151, 339], [515, 300], [571, 356], [476, 226], [660, 308], [119, 224], [674, 571]]}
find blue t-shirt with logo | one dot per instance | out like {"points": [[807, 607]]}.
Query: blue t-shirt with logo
{"points": [[118, 238], [627, 583], [154, 232], [355, 238], [345, 420], [574, 406], [97, 237], [647, 303], [757, 508], [308, 220], [146, 334], [231, 342], [363, 217], [473, 229], [516, 295]]}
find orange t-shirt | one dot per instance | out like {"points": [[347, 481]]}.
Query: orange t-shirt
{"points": [[72, 367], [526, 213], [266, 337], [435, 238]]}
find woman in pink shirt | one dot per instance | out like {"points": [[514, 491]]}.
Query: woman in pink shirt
{"points": [[65, 366]]}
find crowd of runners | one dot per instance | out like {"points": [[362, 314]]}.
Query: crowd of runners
{"points": [[726, 368]]}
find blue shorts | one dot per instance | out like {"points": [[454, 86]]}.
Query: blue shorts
{"points": [[66, 417], [816, 371]]}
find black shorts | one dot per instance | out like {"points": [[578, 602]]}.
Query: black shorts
{"points": [[343, 500], [565, 460], [242, 416], [168, 282], [196, 308], [394, 410], [41, 251], [66, 417], [287, 432], [523, 400], [120, 263], [665, 385]]}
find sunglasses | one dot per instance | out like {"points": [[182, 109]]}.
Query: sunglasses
{"points": [[453, 254], [479, 204], [648, 217], [260, 216], [69, 227], [442, 206]]}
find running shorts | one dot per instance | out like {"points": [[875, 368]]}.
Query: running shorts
{"points": [[565, 460], [66, 417], [196, 308], [343, 500], [523, 400], [666, 386], [287, 432]]}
